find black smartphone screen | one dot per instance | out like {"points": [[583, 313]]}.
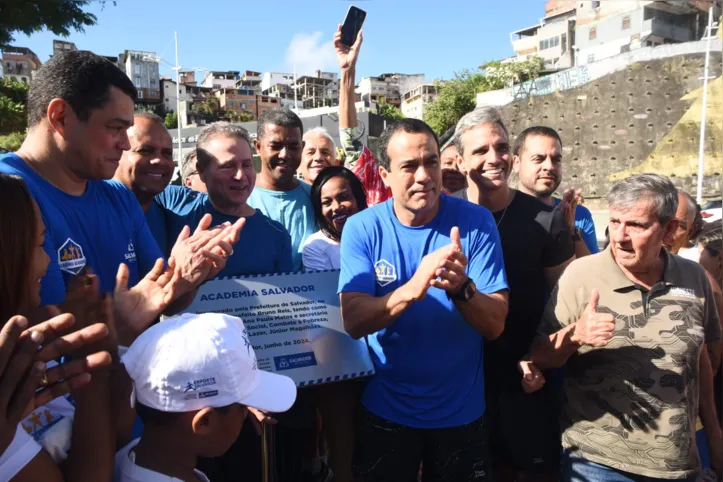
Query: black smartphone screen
{"points": [[352, 24]]}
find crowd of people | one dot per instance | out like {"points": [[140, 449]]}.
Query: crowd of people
{"points": [[506, 345]]}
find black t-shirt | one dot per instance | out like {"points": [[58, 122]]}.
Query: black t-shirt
{"points": [[534, 236]]}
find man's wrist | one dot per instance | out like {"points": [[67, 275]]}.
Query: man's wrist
{"points": [[576, 235], [573, 336]]}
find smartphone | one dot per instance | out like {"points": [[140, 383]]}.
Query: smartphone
{"points": [[352, 25]]}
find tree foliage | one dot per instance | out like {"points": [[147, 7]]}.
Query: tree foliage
{"points": [[171, 120], [390, 111], [458, 96], [13, 102], [12, 141], [58, 16]]}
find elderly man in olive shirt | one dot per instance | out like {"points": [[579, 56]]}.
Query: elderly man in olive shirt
{"points": [[632, 324]]}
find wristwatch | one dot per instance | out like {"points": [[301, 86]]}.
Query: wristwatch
{"points": [[576, 235], [465, 293]]}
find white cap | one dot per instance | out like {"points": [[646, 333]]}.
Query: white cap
{"points": [[189, 362]]}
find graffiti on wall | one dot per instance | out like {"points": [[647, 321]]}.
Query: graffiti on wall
{"points": [[567, 79]]}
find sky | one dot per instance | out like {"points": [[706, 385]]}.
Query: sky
{"points": [[433, 37]]}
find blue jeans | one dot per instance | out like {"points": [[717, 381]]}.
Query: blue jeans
{"points": [[578, 469]]}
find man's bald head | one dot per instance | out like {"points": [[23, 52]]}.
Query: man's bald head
{"points": [[147, 167]]}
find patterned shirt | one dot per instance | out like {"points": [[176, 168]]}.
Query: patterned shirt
{"points": [[633, 404]]}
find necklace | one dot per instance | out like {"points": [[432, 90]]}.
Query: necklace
{"points": [[503, 216]]}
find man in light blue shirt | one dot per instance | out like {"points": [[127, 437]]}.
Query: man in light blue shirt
{"points": [[278, 193], [538, 163], [423, 279]]}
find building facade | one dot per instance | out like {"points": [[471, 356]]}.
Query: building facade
{"points": [[320, 90], [269, 79], [142, 68], [60, 46], [20, 63], [389, 87], [220, 80], [416, 101]]}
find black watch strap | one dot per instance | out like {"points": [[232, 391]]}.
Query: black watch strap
{"points": [[461, 295]]}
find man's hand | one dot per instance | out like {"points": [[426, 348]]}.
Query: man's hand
{"points": [[568, 205], [452, 272], [532, 377], [137, 307], [202, 256], [346, 55], [593, 328], [447, 263]]}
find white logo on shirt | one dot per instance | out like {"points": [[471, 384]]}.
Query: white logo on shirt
{"points": [[131, 254], [683, 292], [71, 257], [385, 272]]}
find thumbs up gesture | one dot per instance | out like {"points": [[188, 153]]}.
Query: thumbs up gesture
{"points": [[593, 328]]}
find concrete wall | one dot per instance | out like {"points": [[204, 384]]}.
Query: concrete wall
{"points": [[643, 118]]}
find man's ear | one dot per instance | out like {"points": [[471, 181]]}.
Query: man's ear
{"points": [[59, 114], [669, 230], [383, 173]]}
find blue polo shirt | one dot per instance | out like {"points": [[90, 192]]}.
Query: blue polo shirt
{"points": [[101, 228], [264, 246], [429, 369]]}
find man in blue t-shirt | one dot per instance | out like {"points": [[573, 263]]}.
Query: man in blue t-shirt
{"points": [[538, 164], [147, 168], [225, 164], [278, 193], [423, 279]]}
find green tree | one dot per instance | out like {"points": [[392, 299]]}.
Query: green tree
{"points": [[209, 109], [58, 16], [13, 101], [389, 111], [171, 120], [12, 141], [245, 116], [458, 96]]}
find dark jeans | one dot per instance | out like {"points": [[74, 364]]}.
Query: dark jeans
{"points": [[578, 469], [389, 452]]}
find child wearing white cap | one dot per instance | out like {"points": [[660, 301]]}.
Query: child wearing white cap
{"points": [[193, 377]]}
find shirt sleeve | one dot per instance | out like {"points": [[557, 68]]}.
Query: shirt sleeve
{"points": [[564, 306], [486, 264], [351, 148], [314, 255], [559, 246], [711, 326], [21, 451], [357, 270], [587, 226]]}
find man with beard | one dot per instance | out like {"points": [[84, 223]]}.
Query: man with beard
{"points": [[537, 247], [452, 179], [538, 163], [278, 193], [319, 152]]}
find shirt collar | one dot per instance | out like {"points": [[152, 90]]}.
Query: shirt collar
{"points": [[672, 275]]}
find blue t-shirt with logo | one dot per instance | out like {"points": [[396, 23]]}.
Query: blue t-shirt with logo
{"points": [[101, 229], [293, 210], [264, 246], [428, 362], [584, 222]]}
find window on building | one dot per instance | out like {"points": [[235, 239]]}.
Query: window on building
{"points": [[140, 94], [593, 33], [154, 93], [137, 81], [137, 69], [595, 3], [626, 22], [563, 42], [591, 58]]}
